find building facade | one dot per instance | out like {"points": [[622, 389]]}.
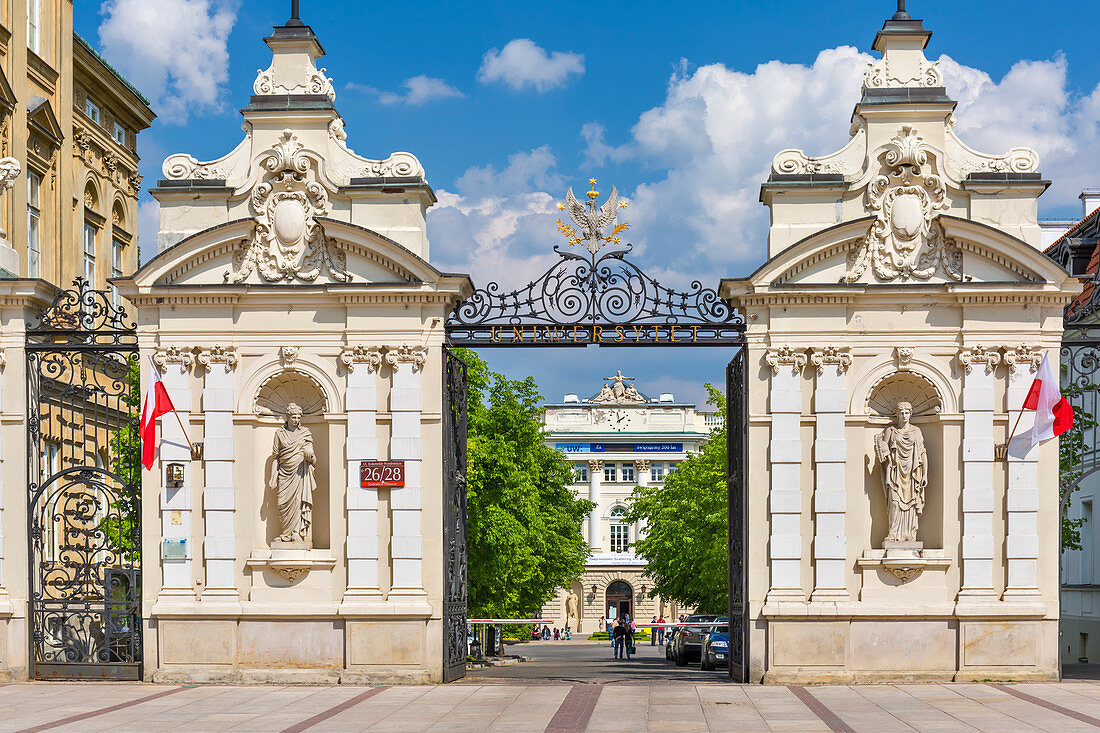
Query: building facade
{"points": [[617, 439], [72, 122]]}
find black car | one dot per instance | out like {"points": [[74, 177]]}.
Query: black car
{"points": [[670, 641], [716, 647], [688, 643]]}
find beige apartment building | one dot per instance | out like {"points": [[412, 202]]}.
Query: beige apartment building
{"points": [[72, 121]]}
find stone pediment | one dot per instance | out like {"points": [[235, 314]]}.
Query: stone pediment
{"points": [[979, 254], [351, 255]]}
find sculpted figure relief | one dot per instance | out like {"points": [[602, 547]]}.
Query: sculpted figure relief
{"points": [[571, 606], [900, 450], [292, 476]]}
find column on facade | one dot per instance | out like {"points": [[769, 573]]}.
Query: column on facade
{"points": [[1022, 496], [219, 501], [785, 495], [406, 404], [595, 475], [641, 478], [978, 364], [362, 366], [830, 453], [174, 364]]}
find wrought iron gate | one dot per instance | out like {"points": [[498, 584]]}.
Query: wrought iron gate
{"points": [[737, 506], [454, 517], [83, 481]]}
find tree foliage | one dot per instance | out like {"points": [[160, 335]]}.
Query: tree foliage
{"points": [[1071, 448], [685, 546], [125, 447], [523, 520]]}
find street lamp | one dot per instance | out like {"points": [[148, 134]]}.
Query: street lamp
{"points": [[593, 589]]}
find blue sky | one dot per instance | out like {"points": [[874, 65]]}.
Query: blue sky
{"points": [[681, 106]]}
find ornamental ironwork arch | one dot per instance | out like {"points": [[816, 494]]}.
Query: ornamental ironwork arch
{"points": [[594, 295]]}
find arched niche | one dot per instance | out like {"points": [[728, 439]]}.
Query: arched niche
{"points": [[904, 386], [269, 404]]}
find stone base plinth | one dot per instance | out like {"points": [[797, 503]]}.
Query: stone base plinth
{"points": [[282, 575]]}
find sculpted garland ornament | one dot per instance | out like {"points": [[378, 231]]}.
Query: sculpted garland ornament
{"points": [[905, 241], [287, 241]]}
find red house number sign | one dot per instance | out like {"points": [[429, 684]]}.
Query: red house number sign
{"points": [[381, 474]]}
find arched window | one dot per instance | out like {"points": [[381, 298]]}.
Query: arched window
{"points": [[620, 530]]}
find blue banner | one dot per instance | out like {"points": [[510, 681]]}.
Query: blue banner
{"points": [[621, 447]]}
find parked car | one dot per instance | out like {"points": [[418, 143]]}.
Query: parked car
{"points": [[716, 648], [689, 640], [670, 641]]}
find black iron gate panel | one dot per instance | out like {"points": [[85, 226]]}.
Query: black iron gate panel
{"points": [[737, 506], [83, 503], [454, 517]]}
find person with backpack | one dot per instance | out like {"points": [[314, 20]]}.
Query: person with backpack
{"points": [[618, 640]]}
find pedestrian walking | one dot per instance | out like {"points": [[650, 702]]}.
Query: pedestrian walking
{"points": [[653, 633], [661, 631], [618, 641]]}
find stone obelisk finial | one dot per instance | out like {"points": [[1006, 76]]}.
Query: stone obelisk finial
{"points": [[294, 19], [901, 14]]}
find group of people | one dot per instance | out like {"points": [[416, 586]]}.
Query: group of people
{"points": [[621, 633], [546, 633]]}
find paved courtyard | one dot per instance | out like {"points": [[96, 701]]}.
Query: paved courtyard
{"points": [[627, 707]]}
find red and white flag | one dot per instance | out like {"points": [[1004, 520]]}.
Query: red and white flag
{"points": [[157, 403], [1053, 414]]}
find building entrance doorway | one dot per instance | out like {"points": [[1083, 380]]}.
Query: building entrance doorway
{"points": [[593, 295], [620, 598]]}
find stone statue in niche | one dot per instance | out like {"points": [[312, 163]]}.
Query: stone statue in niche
{"points": [[900, 450], [293, 478], [571, 608]]}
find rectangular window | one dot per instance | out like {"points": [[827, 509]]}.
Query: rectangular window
{"points": [[609, 472], [581, 471], [34, 225], [33, 22], [620, 537], [628, 473], [92, 110], [120, 134], [90, 235], [118, 257], [656, 472]]}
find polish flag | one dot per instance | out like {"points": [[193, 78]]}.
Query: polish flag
{"points": [[157, 403], [1053, 414]]}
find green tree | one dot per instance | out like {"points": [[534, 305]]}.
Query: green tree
{"points": [[125, 446], [686, 526], [1071, 448], [523, 520]]}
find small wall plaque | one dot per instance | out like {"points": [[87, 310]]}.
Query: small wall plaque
{"points": [[174, 549], [381, 474]]}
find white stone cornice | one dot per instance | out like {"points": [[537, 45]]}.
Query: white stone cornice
{"points": [[1023, 355], [360, 354], [416, 356], [786, 356], [904, 356], [178, 356], [218, 355], [831, 356], [979, 355]]}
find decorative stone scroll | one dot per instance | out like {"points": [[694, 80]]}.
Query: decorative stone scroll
{"points": [[226, 356], [979, 355], [1024, 355], [785, 356], [287, 242], [360, 354], [415, 356], [905, 241], [175, 355], [884, 74], [316, 83], [831, 356]]}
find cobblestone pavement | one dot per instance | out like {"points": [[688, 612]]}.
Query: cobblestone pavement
{"points": [[88, 707]]}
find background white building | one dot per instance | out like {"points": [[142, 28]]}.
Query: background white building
{"points": [[618, 439]]}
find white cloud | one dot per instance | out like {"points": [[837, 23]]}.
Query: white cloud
{"points": [[524, 63], [418, 90], [174, 51]]}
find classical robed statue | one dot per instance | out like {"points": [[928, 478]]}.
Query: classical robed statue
{"points": [[900, 450], [292, 476]]}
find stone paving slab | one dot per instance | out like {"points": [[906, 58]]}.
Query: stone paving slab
{"points": [[501, 708]]}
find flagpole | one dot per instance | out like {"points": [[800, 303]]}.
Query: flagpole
{"points": [[194, 455]]}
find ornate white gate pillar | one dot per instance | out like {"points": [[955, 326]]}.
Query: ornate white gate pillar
{"points": [[595, 475], [219, 501], [406, 403], [785, 497], [176, 503], [1022, 496], [362, 364], [830, 454], [978, 364]]}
